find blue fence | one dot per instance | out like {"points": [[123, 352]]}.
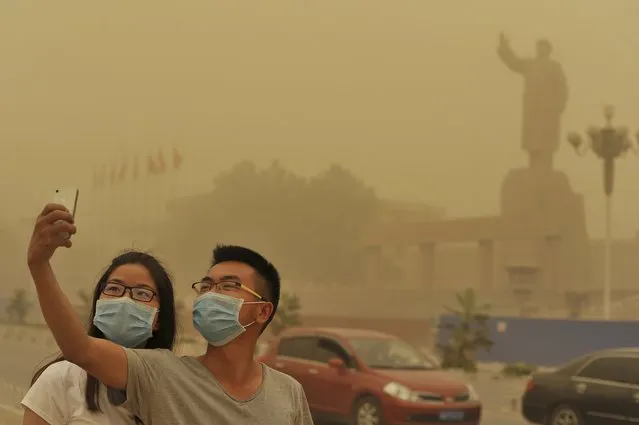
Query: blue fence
{"points": [[550, 342]]}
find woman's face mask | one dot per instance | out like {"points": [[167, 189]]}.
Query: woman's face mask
{"points": [[124, 321]]}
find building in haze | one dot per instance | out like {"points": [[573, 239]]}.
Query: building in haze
{"points": [[408, 212]]}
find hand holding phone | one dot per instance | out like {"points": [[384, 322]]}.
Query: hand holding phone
{"points": [[69, 198], [53, 229]]}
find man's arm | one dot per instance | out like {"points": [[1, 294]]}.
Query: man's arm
{"points": [[101, 358]]}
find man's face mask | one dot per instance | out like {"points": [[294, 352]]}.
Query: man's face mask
{"points": [[216, 317]]}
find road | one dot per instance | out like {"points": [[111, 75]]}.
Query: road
{"points": [[497, 396], [19, 359]]}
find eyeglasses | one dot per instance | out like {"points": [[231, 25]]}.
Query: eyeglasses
{"points": [[138, 293], [223, 287]]}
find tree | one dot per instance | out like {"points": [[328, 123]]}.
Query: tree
{"points": [[312, 228], [19, 307], [467, 333], [340, 207], [288, 314]]}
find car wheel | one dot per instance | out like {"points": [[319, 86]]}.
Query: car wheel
{"points": [[565, 415], [367, 411]]}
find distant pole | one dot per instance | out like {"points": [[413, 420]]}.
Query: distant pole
{"points": [[608, 143], [607, 259]]}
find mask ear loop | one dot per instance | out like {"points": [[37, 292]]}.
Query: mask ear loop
{"points": [[252, 302]]}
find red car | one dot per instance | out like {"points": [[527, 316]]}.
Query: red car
{"points": [[363, 377]]}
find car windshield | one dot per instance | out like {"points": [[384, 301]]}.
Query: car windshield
{"points": [[390, 354]]}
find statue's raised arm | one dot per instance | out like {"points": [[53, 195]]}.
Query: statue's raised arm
{"points": [[508, 56]]}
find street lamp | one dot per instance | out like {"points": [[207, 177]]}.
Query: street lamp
{"points": [[608, 143]]}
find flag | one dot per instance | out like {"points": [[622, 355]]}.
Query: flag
{"points": [[114, 173], [161, 163], [122, 172], [177, 159], [135, 170], [151, 168]]}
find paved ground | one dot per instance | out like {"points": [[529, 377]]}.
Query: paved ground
{"points": [[19, 359], [497, 397]]}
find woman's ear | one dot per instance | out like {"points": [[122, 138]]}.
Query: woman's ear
{"points": [[156, 323]]}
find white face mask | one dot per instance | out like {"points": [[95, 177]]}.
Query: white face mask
{"points": [[124, 321], [216, 317]]}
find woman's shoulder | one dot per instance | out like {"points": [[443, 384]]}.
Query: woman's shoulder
{"points": [[65, 371]]}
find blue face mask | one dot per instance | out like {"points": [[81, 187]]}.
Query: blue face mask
{"points": [[216, 317], [124, 321]]}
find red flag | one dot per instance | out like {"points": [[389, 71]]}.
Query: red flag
{"points": [[122, 173], [177, 159], [161, 163], [114, 173], [150, 165], [135, 168]]}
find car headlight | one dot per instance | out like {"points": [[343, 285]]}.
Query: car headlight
{"points": [[399, 391], [472, 393]]}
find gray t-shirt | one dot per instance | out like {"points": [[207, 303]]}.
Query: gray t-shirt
{"points": [[164, 389]]}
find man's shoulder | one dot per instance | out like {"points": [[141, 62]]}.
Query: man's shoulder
{"points": [[281, 380], [152, 356]]}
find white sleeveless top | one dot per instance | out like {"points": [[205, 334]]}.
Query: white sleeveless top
{"points": [[58, 398]]}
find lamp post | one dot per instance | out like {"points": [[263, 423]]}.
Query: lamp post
{"points": [[608, 143]]}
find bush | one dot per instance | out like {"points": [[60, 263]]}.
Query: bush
{"points": [[518, 369], [467, 334]]}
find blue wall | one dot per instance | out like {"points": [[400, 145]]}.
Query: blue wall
{"points": [[550, 342]]}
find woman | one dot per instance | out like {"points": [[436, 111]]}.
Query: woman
{"points": [[133, 305]]}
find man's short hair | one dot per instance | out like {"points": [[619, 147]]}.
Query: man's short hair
{"points": [[268, 274]]}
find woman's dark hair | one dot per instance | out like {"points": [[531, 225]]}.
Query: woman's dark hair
{"points": [[165, 335]]}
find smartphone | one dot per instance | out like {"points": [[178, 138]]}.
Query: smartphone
{"points": [[67, 197]]}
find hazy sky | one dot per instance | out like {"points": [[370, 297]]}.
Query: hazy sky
{"points": [[409, 94]]}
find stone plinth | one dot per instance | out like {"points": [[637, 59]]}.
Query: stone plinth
{"points": [[545, 196]]}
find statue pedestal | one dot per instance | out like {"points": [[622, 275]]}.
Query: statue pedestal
{"points": [[550, 261]]}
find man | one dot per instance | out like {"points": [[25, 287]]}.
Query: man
{"points": [[237, 299]]}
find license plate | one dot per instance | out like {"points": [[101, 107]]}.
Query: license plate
{"points": [[451, 416]]}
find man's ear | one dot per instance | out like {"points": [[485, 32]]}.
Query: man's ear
{"points": [[266, 311]]}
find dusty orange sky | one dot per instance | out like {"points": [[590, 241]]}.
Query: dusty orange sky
{"points": [[409, 94]]}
